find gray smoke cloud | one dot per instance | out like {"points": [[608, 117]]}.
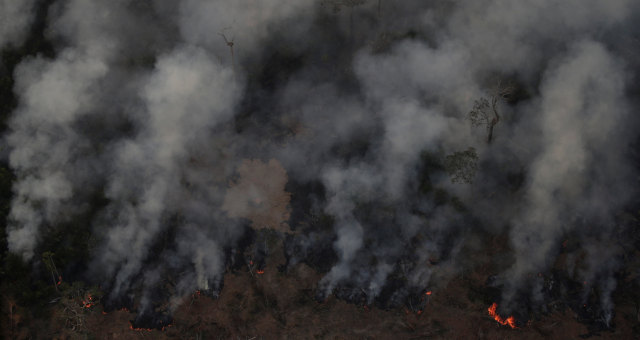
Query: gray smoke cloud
{"points": [[15, 18], [44, 145], [146, 106], [185, 98], [583, 111]]}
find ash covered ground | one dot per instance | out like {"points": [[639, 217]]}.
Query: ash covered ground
{"points": [[320, 169]]}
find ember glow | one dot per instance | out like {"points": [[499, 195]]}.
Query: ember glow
{"points": [[138, 329], [511, 321], [88, 303]]}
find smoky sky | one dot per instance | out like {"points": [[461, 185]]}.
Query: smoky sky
{"points": [[145, 105]]}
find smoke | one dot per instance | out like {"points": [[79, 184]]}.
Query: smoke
{"points": [[44, 145], [152, 108], [583, 111], [15, 18], [185, 98]]}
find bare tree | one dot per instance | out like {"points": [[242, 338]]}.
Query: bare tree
{"points": [[11, 304], [230, 44], [47, 258], [485, 111]]}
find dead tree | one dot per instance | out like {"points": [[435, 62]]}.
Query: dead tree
{"points": [[12, 306], [230, 44], [485, 111], [47, 258]]}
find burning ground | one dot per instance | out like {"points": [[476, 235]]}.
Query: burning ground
{"points": [[320, 168]]}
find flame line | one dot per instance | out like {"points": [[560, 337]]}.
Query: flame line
{"points": [[511, 321]]}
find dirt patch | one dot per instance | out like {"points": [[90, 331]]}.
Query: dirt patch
{"points": [[259, 195]]}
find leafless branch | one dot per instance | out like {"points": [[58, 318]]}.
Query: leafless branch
{"points": [[230, 44]]}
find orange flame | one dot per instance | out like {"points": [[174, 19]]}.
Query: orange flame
{"points": [[260, 272], [428, 293], [139, 329], [88, 303], [59, 281], [511, 321]]}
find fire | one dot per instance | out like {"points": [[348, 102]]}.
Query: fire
{"points": [[146, 329], [139, 329], [59, 281], [511, 321], [88, 302], [260, 272], [428, 293]]}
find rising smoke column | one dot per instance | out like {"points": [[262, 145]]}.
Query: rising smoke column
{"points": [[577, 178], [186, 97]]}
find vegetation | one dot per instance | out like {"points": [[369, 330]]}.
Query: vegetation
{"points": [[462, 165], [485, 111]]}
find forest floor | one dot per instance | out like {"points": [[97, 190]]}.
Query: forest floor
{"points": [[281, 304]]}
